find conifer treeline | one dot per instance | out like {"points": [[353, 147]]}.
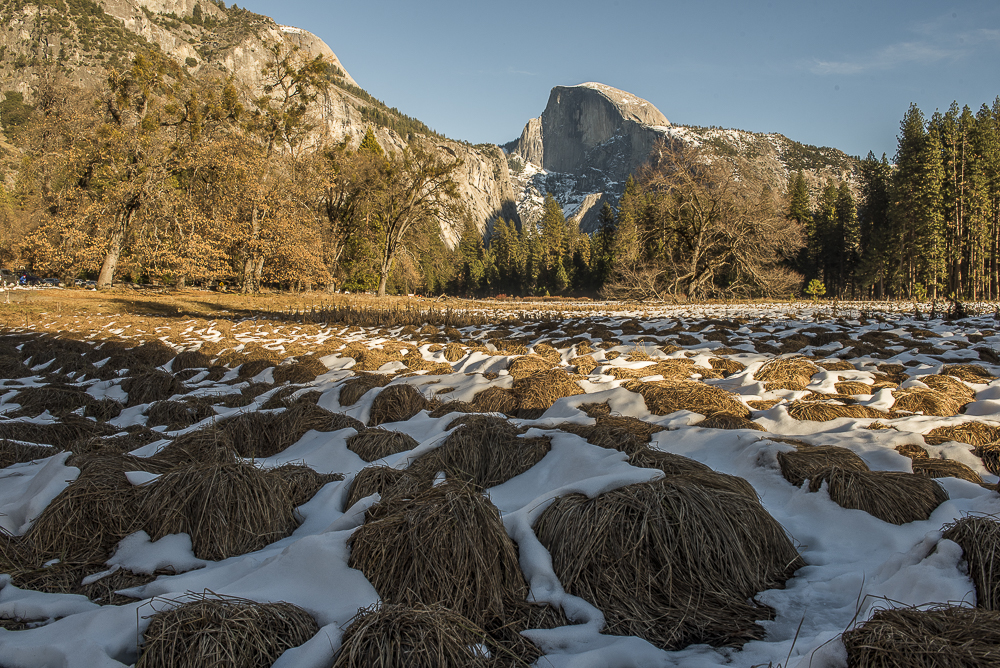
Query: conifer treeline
{"points": [[927, 226]]}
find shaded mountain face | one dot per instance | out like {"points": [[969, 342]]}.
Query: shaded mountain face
{"points": [[591, 137], [83, 39]]}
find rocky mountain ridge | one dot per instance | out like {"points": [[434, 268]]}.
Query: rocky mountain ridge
{"points": [[591, 137]]}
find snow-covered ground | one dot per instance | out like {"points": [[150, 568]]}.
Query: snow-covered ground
{"points": [[855, 563]]}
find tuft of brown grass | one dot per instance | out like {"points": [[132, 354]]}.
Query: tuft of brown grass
{"points": [[853, 387], [151, 386], [374, 444], [808, 460], [817, 411], [950, 387], [944, 468], [227, 509], [539, 391], [423, 636], [897, 498], [257, 434], [584, 364], [723, 420], [979, 537], [190, 359], [990, 454], [669, 396], [223, 631], [974, 433], [835, 365], [970, 373], [396, 403], [384, 481], [496, 400], [670, 561], [356, 387], [12, 453], [528, 365], [792, 373], [927, 402], [483, 450], [944, 637], [305, 370], [179, 414], [726, 366]]}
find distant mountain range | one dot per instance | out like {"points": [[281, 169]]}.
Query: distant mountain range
{"points": [[581, 149]]}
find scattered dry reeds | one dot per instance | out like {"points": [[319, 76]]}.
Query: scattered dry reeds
{"points": [[723, 420], [225, 632], [944, 637], [453, 407], [669, 561], [61, 401], [179, 414], [990, 454], [396, 403], [12, 453], [584, 364], [303, 371], [373, 444], [62, 434], [483, 450], [669, 396], [792, 373], [950, 387], [257, 434], [979, 537], [727, 366], [227, 509], [853, 387], [419, 636], [897, 498]]}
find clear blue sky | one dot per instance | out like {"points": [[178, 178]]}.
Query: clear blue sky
{"points": [[828, 73]]}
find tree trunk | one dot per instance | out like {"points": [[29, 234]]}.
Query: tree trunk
{"points": [[106, 277]]}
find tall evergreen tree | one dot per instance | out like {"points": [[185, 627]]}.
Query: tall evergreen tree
{"points": [[873, 224]]}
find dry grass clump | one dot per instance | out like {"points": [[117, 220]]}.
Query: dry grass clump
{"points": [[421, 636], [384, 481], [584, 364], [227, 509], [190, 359], [87, 519], [445, 545], [818, 411], [672, 369], [548, 353], [669, 561], [225, 632], [396, 403], [528, 365], [151, 386], [897, 498], [483, 450], [541, 390], [944, 637], [453, 407], [209, 444], [12, 453], [71, 429], [792, 373], [372, 359], [145, 356], [763, 404], [373, 444], [61, 401], [808, 460], [990, 454], [303, 371], [257, 434], [835, 365], [453, 352], [726, 366], [944, 468], [853, 387], [303, 481], [414, 362], [928, 402], [669, 396], [979, 537], [356, 387], [970, 373], [974, 433], [723, 420], [949, 386], [496, 400], [250, 368], [179, 414]]}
